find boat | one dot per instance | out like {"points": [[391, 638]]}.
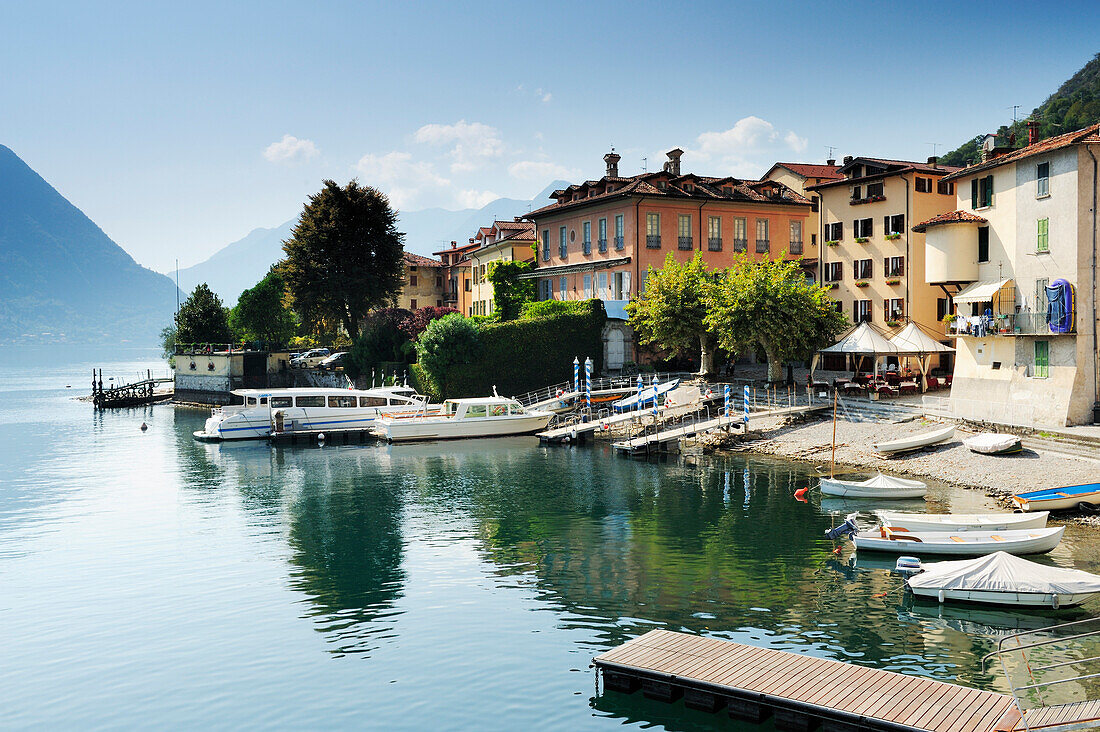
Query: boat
{"points": [[955, 522], [915, 442], [646, 397], [880, 486], [322, 408], [493, 416], [1002, 579], [1059, 499], [992, 443], [962, 543]]}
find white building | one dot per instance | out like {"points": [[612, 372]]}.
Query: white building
{"points": [[1026, 222]]}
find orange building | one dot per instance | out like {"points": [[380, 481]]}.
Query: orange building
{"points": [[599, 238], [457, 280]]}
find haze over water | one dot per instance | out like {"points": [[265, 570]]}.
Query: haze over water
{"points": [[147, 580]]}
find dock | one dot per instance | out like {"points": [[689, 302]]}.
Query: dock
{"points": [[133, 394], [801, 691]]}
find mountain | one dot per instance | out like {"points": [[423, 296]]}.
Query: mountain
{"points": [[61, 278], [240, 265], [1074, 105]]}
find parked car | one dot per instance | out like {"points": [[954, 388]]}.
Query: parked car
{"points": [[335, 361], [310, 359]]}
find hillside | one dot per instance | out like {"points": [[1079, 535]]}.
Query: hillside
{"points": [[61, 278], [1074, 105]]}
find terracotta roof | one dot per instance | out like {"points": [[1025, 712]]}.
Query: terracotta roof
{"points": [[463, 248], [951, 217], [418, 261], [810, 170], [893, 167], [1087, 134]]}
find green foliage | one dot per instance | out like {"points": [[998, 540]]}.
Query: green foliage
{"points": [[261, 313], [345, 256], [553, 308], [510, 293], [447, 344], [671, 313], [168, 342], [202, 318], [380, 340], [770, 304]]}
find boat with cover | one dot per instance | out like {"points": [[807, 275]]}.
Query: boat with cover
{"points": [[493, 416], [1059, 499], [992, 443], [322, 408], [915, 442], [880, 486], [1002, 579], [955, 522], [963, 543], [646, 397]]}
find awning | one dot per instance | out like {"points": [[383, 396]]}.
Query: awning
{"points": [[863, 340], [564, 269], [911, 340], [981, 292]]}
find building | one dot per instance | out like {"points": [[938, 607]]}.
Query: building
{"points": [[504, 241], [207, 376], [870, 259], [799, 176], [457, 276], [1024, 226], [423, 283], [600, 237]]}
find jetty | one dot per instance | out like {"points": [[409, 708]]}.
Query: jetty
{"points": [[134, 394]]}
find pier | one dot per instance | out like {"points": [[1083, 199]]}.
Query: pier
{"points": [[128, 395]]}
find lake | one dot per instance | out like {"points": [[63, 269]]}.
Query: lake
{"points": [[148, 580]]}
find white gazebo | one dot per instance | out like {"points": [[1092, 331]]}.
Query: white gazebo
{"points": [[861, 342], [912, 341]]}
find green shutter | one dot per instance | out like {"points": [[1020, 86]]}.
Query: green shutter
{"points": [[1042, 240], [989, 190], [1042, 359], [974, 193]]}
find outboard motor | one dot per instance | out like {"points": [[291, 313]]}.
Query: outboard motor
{"points": [[846, 529], [908, 566]]}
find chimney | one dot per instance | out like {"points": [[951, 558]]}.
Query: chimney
{"points": [[454, 244], [847, 159], [612, 161], [831, 162], [1032, 132], [932, 160], [673, 165], [517, 218]]}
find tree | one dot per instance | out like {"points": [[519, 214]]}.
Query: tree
{"points": [[418, 320], [345, 256], [770, 304], [261, 313], [671, 313], [446, 343], [510, 293], [380, 340], [168, 342], [202, 318]]}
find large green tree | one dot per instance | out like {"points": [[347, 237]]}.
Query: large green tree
{"points": [[510, 293], [447, 343], [202, 318], [671, 312], [770, 304], [344, 256], [261, 313]]}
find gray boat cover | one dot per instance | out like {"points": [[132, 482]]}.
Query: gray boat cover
{"points": [[1003, 572]]}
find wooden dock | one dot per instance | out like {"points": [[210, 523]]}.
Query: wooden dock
{"points": [[801, 691]]}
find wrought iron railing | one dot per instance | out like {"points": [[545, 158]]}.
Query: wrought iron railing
{"points": [[684, 242], [740, 245], [620, 244], [653, 241], [763, 246], [714, 243]]}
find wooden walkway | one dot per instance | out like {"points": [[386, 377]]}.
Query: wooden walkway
{"points": [[670, 433], [800, 690]]}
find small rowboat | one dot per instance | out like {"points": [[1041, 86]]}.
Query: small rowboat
{"points": [[991, 443], [1002, 579], [1059, 499], [956, 522], [646, 398], [915, 442], [964, 543], [880, 486]]}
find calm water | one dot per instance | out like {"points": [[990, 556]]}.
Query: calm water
{"points": [[149, 580]]}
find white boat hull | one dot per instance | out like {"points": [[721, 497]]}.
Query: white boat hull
{"points": [[915, 442], [991, 597], [443, 428], [901, 489], [989, 443], [962, 522], [940, 543]]}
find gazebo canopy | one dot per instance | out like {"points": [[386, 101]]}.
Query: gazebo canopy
{"points": [[863, 340], [911, 340]]}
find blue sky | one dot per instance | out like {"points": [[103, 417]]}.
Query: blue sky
{"points": [[179, 127]]}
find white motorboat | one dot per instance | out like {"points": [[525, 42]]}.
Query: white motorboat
{"points": [[963, 543], [324, 408], [647, 397], [1002, 579], [915, 442], [992, 443], [463, 418], [880, 486], [955, 522], [1059, 499]]}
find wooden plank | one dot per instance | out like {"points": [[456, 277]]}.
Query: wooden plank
{"points": [[848, 689], [912, 693], [829, 685], [988, 720], [983, 707], [966, 709], [928, 708]]}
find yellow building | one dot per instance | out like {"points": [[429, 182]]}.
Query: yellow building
{"points": [[423, 284], [798, 177], [504, 241]]}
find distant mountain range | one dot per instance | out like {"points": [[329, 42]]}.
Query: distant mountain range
{"points": [[241, 264], [61, 278]]}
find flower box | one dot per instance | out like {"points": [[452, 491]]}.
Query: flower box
{"points": [[834, 286], [876, 198], [893, 281], [893, 323], [832, 243], [862, 239], [893, 237], [862, 283]]}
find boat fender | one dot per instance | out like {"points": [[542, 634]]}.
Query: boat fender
{"points": [[940, 596], [144, 426], [321, 437], [1054, 601], [801, 492]]}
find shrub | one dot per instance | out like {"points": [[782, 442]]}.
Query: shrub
{"points": [[446, 345], [553, 308], [380, 339], [418, 320]]}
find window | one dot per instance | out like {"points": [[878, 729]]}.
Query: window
{"points": [[1042, 240], [653, 230], [372, 401], [981, 192], [467, 281], [563, 248], [894, 266], [619, 233], [439, 282], [412, 304], [893, 224], [281, 402], [945, 188], [341, 402], [857, 193], [893, 308], [309, 401], [864, 228], [1042, 180], [861, 269], [924, 185], [412, 280], [796, 238], [763, 243], [875, 189], [1042, 305], [683, 231], [834, 232], [546, 245], [602, 233], [714, 233], [601, 285], [561, 287], [833, 271], [740, 234], [983, 244], [861, 311], [586, 228], [1042, 359], [476, 410], [588, 285], [941, 308]]}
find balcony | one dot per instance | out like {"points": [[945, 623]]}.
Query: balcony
{"points": [[763, 246], [602, 244], [450, 297], [796, 248], [714, 243], [653, 241], [866, 199], [684, 242], [619, 244], [587, 246], [740, 245], [1007, 324]]}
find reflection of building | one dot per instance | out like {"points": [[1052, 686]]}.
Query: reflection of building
{"points": [[504, 241], [457, 279], [1019, 250], [423, 283]]}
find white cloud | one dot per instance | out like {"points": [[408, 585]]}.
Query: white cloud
{"points": [[472, 143], [290, 149], [534, 170], [746, 149], [474, 199], [543, 95], [796, 143], [406, 182], [747, 133]]}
